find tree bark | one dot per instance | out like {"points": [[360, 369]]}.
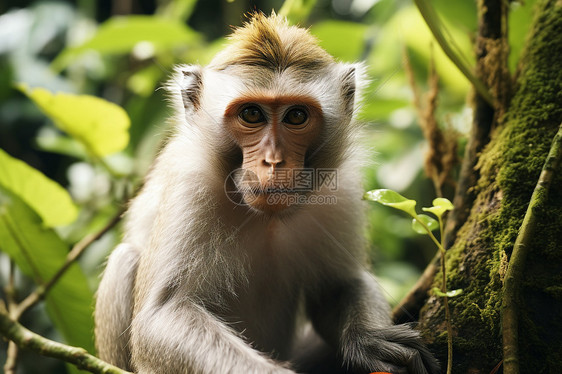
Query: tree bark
{"points": [[508, 170]]}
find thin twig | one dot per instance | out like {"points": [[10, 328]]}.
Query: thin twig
{"points": [[41, 291], [26, 339], [446, 300], [11, 358], [11, 298], [521, 248]]}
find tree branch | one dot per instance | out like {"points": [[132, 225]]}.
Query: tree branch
{"points": [[26, 339], [516, 266]]}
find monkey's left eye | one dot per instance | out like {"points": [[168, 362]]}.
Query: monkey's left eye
{"points": [[296, 117], [252, 115]]}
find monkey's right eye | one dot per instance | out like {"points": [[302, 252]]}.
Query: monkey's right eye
{"points": [[252, 115]]}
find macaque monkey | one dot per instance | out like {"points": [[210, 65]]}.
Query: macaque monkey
{"points": [[244, 251]]}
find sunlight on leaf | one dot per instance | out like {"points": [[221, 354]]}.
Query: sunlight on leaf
{"points": [[429, 222], [343, 40], [47, 198], [392, 199], [297, 11], [440, 206], [451, 293], [120, 35], [101, 126]]}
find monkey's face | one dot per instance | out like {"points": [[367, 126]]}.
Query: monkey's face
{"points": [[274, 133]]}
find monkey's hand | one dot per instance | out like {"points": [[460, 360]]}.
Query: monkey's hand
{"points": [[395, 349], [354, 316]]}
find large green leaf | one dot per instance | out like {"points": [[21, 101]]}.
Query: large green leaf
{"points": [[39, 252], [49, 200], [343, 40], [102, 127], [461, 13], [119, 35]]}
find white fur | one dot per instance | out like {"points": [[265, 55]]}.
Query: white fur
{"points": [[221, 288]]}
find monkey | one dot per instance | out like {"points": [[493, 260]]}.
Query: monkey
{"points": [[243, 252]]}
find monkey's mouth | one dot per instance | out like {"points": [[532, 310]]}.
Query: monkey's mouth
{"points": [[269, 190], [273, 195], [249, 184]]}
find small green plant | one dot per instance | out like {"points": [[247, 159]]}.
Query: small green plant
{"points": [[425, 225]]}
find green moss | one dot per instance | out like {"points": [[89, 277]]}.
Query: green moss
{"points": [[509, 169]]}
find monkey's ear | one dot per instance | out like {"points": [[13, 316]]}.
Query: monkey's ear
{"points": [[190, 86], [352, 82]]}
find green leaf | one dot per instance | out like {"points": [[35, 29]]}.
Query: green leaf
{"points": [[179, 10], [429, 222], [452, 293], [343, 40], [440, 206], [61, 144], [461, 14], [102, 127], [297, 11], [443, 202], [39, 252], [392, 199], [120, 35], [47, 198], [376, 107]]}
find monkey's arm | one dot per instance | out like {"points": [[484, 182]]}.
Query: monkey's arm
{"points": [[180, 336], [353, 316], [114, 306]]}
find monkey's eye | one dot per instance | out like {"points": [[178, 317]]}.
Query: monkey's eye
{"points": [[295, 117], [252, 115]]}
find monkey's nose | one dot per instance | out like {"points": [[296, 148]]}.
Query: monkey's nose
{"points": [[272, 164], [272, 167], [273, 159]]}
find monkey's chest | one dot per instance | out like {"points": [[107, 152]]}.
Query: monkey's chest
{"points": [[265, 310]]}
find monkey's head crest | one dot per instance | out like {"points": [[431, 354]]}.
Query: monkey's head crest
{"points": [[270, 42]]}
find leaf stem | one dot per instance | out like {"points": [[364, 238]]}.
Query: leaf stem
{"points": [[441, 249], [447, 317], [444, 290]]}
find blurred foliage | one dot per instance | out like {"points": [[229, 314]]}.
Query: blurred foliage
{"points": [[77, 63]]}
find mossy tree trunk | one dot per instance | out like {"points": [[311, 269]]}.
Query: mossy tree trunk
{"points": [[508, 169]]}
